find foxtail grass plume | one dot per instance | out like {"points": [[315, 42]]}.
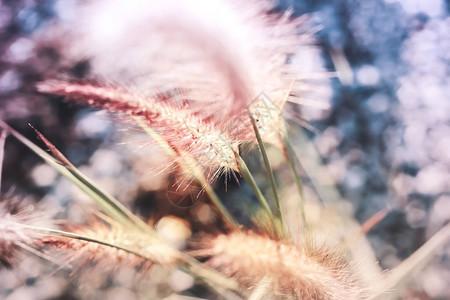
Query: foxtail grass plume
{"points": [[107, 247], [223, 54], [293, 272], [15, 233], [185, 132]]}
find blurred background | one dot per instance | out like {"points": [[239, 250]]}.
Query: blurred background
{"points": [[385, 142]]}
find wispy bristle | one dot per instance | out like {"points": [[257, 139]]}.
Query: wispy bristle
{"points": [[223, 54], [15, 234], [185, 132], [222, 51], [293, 273]]}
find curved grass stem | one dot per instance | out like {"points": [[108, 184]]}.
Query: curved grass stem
{"points": [[269, 170], [61, 164], [248, 177]]}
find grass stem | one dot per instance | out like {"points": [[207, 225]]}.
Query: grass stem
{"points": [[61, 164], [269, 170], [248, 177]]}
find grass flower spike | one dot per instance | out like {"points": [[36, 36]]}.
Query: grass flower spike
{"points": [[183, 131], [293, 272], [105, 247], [203, 79], [222, 54], [15, 232]]}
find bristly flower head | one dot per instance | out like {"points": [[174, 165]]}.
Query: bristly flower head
{"points": [[178, 126], [223, 54], [14, 231], [293, 272], [111, 247]]}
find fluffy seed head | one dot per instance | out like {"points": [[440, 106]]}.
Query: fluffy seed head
{"points": [[100, 257], [14, 233], [221, 53], [293, 273], [178, 126]]}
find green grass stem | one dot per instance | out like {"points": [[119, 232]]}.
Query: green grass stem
{"points": [[248, 177], [269, 170]]}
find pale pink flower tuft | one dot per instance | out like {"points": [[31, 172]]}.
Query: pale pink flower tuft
{"points": [[186, 132], [15, 233], [223, 54], [139, 250], [293, 272]]}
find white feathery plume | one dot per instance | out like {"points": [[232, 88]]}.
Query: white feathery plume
{"points": [[222, 53]]}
